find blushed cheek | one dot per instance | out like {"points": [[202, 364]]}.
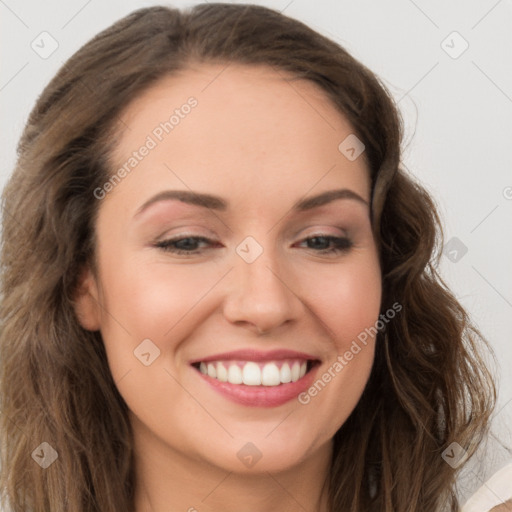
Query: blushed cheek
{"points": [[350, 308], [156, 301], [348, 301]]}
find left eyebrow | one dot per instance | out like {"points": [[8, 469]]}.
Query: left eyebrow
{"points": [[326, 197]]}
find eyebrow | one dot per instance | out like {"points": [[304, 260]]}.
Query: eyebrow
{"points": [[217, 203]]}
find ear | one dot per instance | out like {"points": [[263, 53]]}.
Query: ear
{"points": [[86, 301]]}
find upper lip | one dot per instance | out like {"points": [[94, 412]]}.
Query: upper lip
{"points": [[256, 356]]}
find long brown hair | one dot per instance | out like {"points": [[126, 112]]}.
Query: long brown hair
{"points": [[429, 386]]}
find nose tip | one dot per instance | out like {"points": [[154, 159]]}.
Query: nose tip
{"points": [[261, 297]]}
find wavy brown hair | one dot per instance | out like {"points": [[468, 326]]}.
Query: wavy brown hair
{"points": [[429, 385]]}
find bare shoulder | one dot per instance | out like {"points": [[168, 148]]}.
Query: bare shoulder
{"points": [[504, 507]]}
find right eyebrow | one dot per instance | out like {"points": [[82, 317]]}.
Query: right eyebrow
{"points": [[186, 196]]}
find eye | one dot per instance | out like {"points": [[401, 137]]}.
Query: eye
{"points": [[184, 245], [327, 244], [191, 245]]}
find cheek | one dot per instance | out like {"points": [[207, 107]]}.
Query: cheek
{"points": [[153, 301], [347, 303], [158, 302], [346, 300], [154, 298]]}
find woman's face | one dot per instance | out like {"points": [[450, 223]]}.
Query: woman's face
{"points": [[235, 253]]}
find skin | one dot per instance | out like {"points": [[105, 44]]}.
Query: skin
{"points": [[504, 507], [262, 144]]}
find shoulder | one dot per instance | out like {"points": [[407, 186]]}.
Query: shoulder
{"points": [[495, 495]]}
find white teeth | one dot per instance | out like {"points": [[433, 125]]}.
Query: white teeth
{"points": [[222, 373], [295, 371], [234, 374], [251, 373], [286, 374], [212, 372], [270, 375]]}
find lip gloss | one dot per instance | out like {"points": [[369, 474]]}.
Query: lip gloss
{"points": [[261, 396]]}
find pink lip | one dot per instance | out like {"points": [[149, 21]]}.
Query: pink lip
{"points": [[256, 356], [261, 396]]}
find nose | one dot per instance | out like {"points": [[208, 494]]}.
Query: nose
{"points": [[262, 296]]}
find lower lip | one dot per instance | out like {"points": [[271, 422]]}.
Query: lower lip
{"points": [[261, 396]]}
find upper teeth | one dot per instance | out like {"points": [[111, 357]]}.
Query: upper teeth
{"points": [[250, 373]]}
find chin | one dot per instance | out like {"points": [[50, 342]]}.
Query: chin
{"points": [[259, 455]]}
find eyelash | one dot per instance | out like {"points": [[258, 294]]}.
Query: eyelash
{"points": [[342, 244]]}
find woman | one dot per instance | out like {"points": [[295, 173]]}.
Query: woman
{"points": [[219, 286]]}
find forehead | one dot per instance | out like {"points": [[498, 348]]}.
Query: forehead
{"points": [[238, 85], [251, 124]]}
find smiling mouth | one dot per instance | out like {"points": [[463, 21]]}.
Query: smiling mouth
{"points": [[252, 373]]}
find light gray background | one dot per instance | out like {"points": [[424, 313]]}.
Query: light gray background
{"points": [[457, 111]]}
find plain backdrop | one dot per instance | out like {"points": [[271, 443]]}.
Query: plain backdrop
{"points": [[449, 67]]}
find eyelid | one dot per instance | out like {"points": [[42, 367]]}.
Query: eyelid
{"points": [[204, 232], [338, 245], [322, 230], [188, 231], [301, 234]]}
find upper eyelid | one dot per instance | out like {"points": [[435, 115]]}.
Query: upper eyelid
{"points": [[350, 226], [200, 215], [319, 232], [340, 231]]}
